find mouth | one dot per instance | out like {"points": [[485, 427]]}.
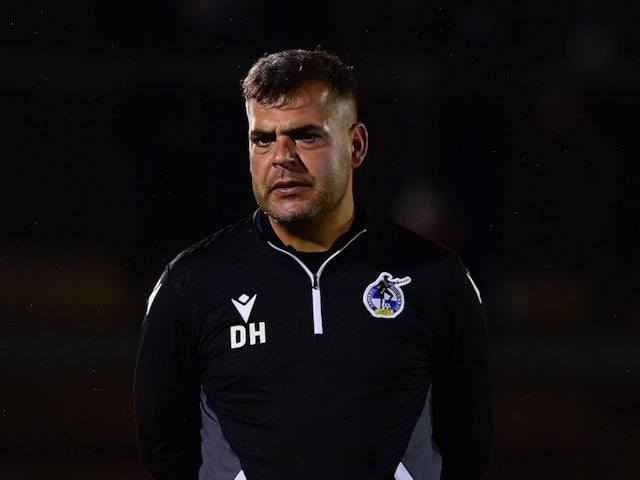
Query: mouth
{"points": [[289, 187]]}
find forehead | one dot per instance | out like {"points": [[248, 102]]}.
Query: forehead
{"points": [[311, 103]]}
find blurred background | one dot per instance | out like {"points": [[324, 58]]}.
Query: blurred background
{"points": [[504, 130]]}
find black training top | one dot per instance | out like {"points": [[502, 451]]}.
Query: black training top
{"points": [[373, 364]]}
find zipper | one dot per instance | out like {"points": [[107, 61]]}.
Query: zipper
{"points": [[315, 281]]}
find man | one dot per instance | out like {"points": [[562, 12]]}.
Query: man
{"points": [[308, 341]]}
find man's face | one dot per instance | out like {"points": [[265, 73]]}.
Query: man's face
{"points": [[302, 155]]}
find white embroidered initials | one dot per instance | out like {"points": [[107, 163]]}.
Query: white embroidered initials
{"points": [[257, 334]]}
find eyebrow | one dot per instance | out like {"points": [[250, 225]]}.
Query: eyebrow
{"points": [[304, 129], [290, 132]]}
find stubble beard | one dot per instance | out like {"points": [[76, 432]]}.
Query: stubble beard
{"points": [[289, 216], [321, 204]]}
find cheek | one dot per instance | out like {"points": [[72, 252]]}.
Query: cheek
{"points": [[333, 163], [340, 164], [256, 167]]}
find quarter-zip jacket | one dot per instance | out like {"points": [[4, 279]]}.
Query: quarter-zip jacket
{"points": [[315, 280], [375, 365]]}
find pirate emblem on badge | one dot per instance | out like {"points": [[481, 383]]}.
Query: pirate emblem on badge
{"points": [[384, 298]]}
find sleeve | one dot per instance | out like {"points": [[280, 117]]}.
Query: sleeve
{"points": [[463, 383], [167, 390]]}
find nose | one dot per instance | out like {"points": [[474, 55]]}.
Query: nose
{"points": [[285, 153]]}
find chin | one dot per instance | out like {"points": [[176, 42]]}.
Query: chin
{"points": [[288, 217], [294, 210], [291, 215]]}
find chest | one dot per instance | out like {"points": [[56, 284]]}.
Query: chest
{"points": [[271, 328]]}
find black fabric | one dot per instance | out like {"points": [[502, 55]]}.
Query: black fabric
{"points": [[313, 260], [296, 404]]}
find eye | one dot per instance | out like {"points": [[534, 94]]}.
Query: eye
{"points": [[307, 138], [262, 140]]}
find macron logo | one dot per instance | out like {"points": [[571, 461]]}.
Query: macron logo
{"points": [[244, 304]]}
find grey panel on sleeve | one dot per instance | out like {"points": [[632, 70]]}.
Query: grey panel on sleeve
{"points": [[219, 462], [422, 459]]}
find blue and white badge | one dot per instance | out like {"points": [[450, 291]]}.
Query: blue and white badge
{"points": [[384, 298]]}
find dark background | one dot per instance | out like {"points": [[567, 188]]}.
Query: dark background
{"points": [[505, 130]]}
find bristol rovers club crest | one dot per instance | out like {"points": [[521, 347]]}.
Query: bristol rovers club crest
{"points": [[383, 298]]}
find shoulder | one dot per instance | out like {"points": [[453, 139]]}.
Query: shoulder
{"points": [[405, 244], [229, 242], [430, 263]]}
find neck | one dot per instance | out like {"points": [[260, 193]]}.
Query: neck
{"points": [[314, 234]]}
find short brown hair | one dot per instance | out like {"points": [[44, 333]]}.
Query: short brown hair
{"points": [[274, 78]]}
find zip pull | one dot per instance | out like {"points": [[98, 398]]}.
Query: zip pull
{"points": [[317, 305], [315, 281]]}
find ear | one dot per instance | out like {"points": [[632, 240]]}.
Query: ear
{"points": [[359, 144]]}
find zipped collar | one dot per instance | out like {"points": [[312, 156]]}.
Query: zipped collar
{"points": [[267, 235]]}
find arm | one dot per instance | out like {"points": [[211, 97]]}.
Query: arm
{"points": [[166, 390], [462, 384]]}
